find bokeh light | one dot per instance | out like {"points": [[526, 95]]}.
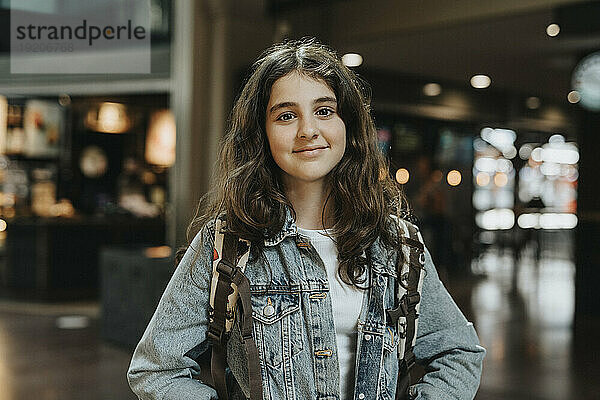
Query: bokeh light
{"points": [[480, 81], [432, 89], [553, 30], [454, 177], [482, 179], [402, 176], [352, 59]]}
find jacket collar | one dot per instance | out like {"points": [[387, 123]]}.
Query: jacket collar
{"points": [[382, 259], [289, 229]]}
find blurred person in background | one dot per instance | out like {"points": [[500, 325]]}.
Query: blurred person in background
{"points": [[299, 179], [429, 204]]}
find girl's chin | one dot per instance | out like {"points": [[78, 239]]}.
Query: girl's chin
{"points": [[302, 179]]}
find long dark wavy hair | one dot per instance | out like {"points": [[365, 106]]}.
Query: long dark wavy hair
{"points": [[248, 185]]}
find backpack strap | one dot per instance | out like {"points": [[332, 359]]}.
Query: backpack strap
{"points": [[404, 316], [229, 284], [228, 252]]}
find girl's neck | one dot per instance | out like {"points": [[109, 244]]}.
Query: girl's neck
{"points": [[308, 199]]}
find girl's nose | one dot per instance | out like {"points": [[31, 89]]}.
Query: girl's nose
{"points": [[308, 128]]}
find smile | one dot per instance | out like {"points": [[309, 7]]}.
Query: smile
{"points": [[311, 152]]}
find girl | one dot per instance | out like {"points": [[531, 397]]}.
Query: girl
{"points": [[301, 178]]}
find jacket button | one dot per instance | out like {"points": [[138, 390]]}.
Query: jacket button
{"points": [[367, 337], [268, 310], [361, 396]]}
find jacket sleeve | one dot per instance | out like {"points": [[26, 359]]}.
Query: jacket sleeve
{"points": [[446, 345], [159, 368]]}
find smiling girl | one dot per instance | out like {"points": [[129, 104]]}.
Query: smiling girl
{"points": [[301, 179]]}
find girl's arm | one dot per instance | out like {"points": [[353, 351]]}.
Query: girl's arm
{"points": [[446, 346], [159, 368]]}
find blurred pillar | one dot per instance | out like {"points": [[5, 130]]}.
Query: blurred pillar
{"points": [[587, 256], [214, 41], [197, 99]]}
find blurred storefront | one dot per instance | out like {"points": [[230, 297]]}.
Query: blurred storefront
{"points": [[85, 160], [93, 164]]}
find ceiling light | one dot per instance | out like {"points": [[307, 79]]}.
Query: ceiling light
{"points": [[352, 59], [573, 97], [556, 139], [553, 30], [480, 81], [432, 89]]}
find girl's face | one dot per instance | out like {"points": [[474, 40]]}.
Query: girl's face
{"points": [[306, 135]]}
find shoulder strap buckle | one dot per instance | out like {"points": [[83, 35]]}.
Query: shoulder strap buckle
{"points": [[406, 306], [226, 268]]}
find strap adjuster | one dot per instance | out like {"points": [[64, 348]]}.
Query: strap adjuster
{"points": [[409, 360], [225, 268], [406, 305], [412, 299], [216, 335]]}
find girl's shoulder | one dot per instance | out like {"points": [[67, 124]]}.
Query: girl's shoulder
{"points": [[207, 225], [202, 234]]}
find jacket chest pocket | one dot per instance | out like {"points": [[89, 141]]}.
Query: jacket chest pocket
{"points": [[278, 326]]}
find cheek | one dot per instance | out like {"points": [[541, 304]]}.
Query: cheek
{"points": [[277, 146]]}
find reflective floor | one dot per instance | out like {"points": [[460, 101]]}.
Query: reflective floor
{"points": [[522, 308], [41, 361]]}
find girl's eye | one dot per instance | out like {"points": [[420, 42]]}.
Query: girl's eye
{"points": [[285, 117], [325, 112]]}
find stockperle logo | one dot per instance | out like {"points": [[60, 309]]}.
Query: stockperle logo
{"points": [[80, 36]]}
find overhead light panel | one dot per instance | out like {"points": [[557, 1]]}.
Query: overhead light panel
{"points": [[480, 81], [352, 59]]}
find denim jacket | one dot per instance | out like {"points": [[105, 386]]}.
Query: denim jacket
{"points": [[297, 343]]}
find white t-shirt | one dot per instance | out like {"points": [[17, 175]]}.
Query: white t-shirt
{"points": [[347, 303]]}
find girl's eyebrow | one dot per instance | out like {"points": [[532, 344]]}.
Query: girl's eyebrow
{"points": [[326, 99]]}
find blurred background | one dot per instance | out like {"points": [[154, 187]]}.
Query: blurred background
{"points": [[488, 113]]}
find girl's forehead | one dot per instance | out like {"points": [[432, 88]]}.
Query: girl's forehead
{"points": [[297, 84]]}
